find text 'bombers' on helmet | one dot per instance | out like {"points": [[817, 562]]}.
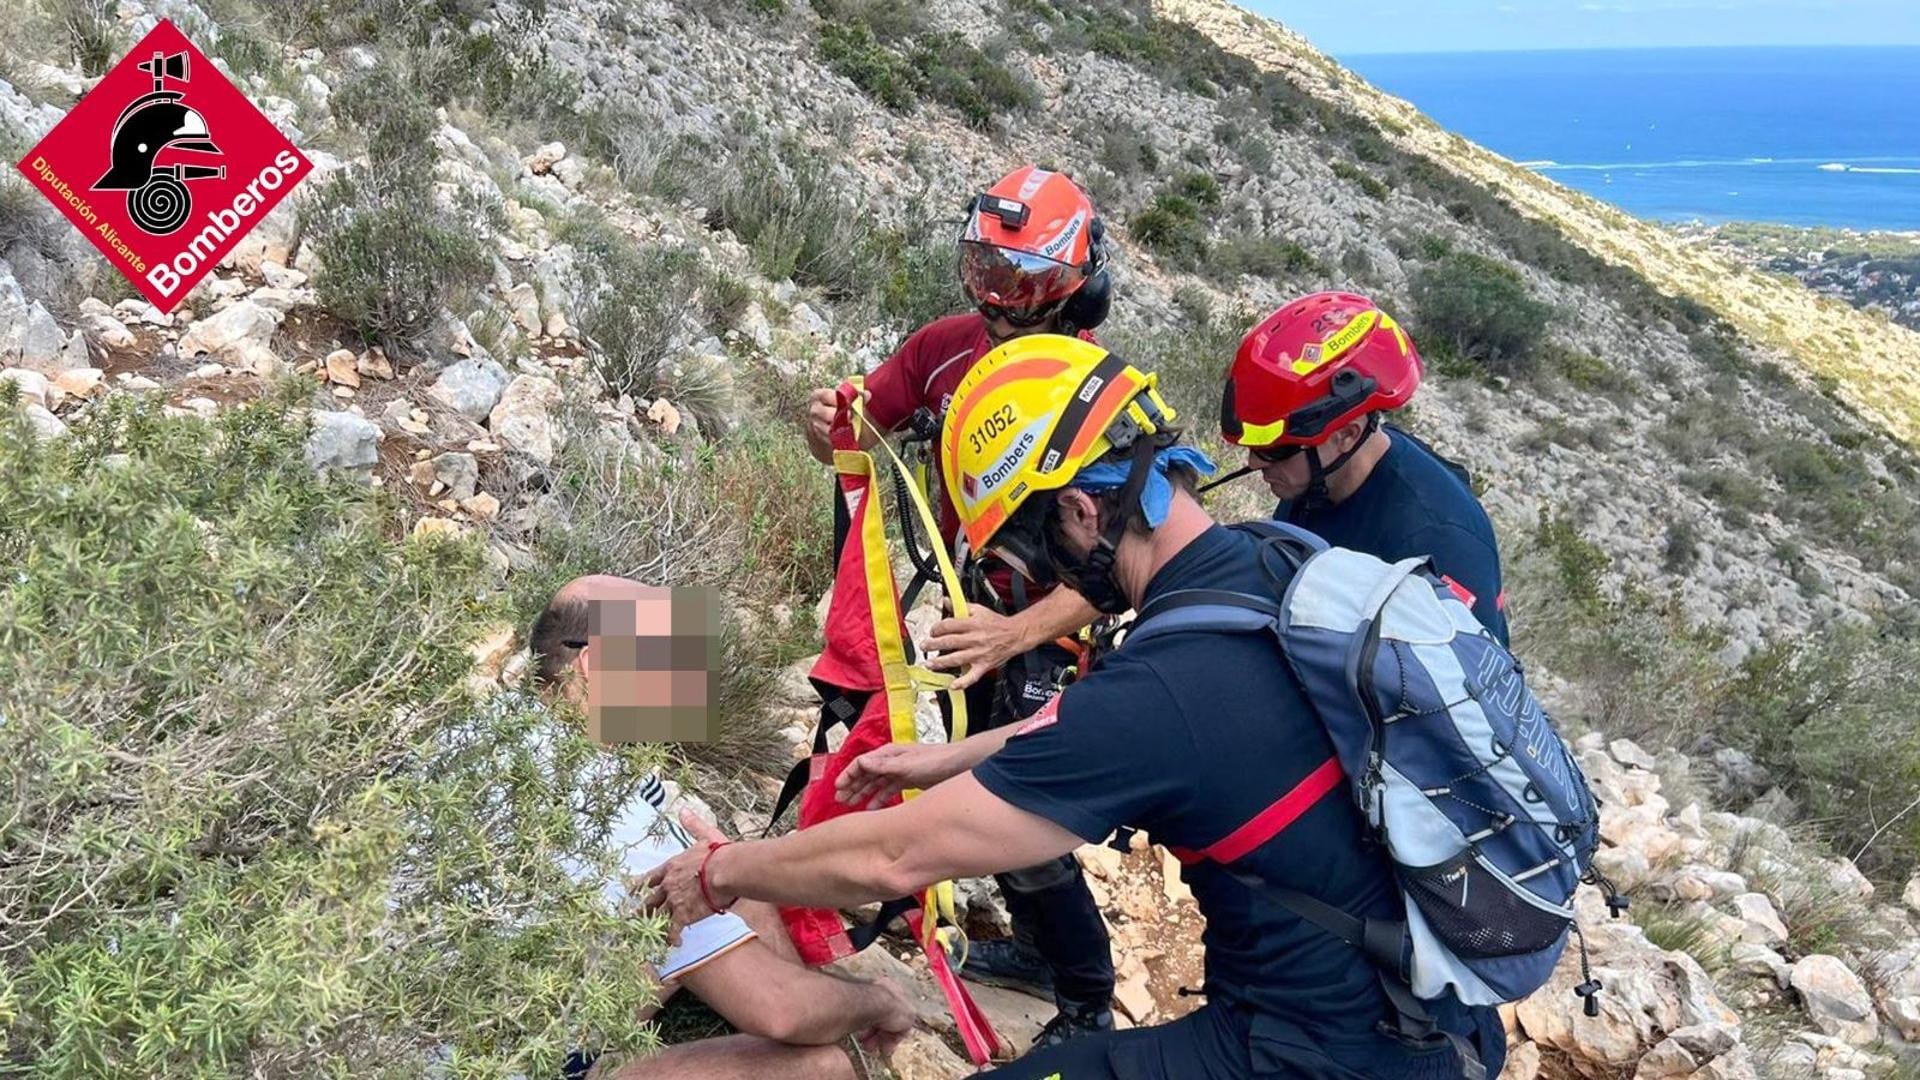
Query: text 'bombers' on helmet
{"points": [[1312, 366], [1029, 416]]}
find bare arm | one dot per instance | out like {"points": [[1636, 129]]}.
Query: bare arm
{"points": [[879, 774], [957, 829], [985, 640]]}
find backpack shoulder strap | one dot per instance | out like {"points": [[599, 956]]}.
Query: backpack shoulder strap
{"points": [[1203, 609], [1458, 470]]}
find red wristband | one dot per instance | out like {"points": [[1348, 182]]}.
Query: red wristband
{"points": [[712, 846]]}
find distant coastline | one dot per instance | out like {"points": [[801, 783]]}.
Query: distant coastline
{"points": [[1798, 136]]}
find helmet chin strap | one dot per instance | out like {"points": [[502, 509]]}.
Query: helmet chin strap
{"points": [[1316, 496], [1093, 577]]}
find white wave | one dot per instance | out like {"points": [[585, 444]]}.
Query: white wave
{"points": [[1541, 164], [1703, 163], [1894, 172]]}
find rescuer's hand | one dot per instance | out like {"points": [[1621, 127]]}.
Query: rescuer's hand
{"points": [[876, 776], [979, 643], [674, 885]]}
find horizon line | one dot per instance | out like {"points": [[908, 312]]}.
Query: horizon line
{"points": [[1337, 55]]}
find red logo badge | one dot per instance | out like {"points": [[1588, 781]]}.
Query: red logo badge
{"points": [[165, 166]]}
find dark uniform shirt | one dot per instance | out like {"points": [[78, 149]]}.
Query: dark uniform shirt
{"points": [[1192, 736], [1412, 504]]}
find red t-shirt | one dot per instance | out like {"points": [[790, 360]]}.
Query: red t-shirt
{"points": [[923, 373]]}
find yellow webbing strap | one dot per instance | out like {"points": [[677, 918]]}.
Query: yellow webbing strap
{"points": [[905, 682]]}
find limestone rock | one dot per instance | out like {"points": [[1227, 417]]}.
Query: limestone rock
{"points": [[1628, 752], [1667, 1059], [438, 526], [542, 160], [374, 364], [45, 424], [460, 472], [483, 506], [1910, 895], [226, 333], [523, 420], [34, 386], [1904, 1015], [341, 440], [1836, 1000], [1523, 1061], [1763, 925], [1751, 959], [471, 387], [342, 368], [79, 382]]}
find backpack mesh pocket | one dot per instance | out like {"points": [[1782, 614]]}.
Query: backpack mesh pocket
{"points": [[1476, 914]]}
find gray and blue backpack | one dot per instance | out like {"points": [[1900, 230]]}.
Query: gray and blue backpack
{"points": [[1458, 772]]}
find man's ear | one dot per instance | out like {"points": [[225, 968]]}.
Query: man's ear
{"points": [[1350, 434], [1079, 514]]}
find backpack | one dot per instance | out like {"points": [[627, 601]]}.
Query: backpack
{"points": [[1458, 773]]}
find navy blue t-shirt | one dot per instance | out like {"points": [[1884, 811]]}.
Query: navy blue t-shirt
{"points": [[1190, 737], [1410, 505]]}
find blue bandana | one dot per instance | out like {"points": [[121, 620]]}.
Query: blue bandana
{"points": [[1157, 495]]}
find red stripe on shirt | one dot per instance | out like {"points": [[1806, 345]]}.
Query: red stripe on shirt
{"points": [[1270, 822]]}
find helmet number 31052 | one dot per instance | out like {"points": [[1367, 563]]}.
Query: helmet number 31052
{"points": [[993, 425]]}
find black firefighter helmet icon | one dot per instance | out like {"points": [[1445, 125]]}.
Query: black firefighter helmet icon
{"points": [[157, 197]]}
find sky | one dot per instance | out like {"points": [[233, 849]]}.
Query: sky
{"points": [[1356, 27]]}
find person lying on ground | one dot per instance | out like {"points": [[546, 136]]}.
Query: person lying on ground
{"points": [[791, 1019]]}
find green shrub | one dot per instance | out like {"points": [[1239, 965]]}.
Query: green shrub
{"points": [[1360, 178], [981, 87], [1197, 187], [1481, 308], [797, 219], [1171, 227], [851, 50], [387, 263], [1587, 372], [1831, 711], [632, 307], [888, 51], [390, 259], [258, 824], [1682, 548], [920, 284], [1261, 256]]}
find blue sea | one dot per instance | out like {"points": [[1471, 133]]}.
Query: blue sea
{"points": [[1801, 136]]}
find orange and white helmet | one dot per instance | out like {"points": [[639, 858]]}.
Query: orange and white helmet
{"points": [[1030, 243]]}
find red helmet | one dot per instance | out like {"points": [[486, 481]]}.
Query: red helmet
{"points": [[1310, 367], [1030, 242]]}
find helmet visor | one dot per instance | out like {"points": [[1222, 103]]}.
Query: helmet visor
{"points": [[1015, 281]]}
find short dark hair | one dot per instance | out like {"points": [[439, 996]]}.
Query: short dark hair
{"points": [[559, 633]]}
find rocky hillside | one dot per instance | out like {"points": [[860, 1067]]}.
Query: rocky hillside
{"points": [[653, 225]]}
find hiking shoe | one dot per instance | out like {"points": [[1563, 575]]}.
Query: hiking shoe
{"points": [[1071, 1022], [1007, 963]]}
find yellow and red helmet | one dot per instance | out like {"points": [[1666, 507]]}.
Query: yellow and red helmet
{"points": [[1030, 242], [1312, 366], [1029, 416]]}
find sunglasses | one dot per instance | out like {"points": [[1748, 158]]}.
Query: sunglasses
{"points": [[1274, 455]]}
